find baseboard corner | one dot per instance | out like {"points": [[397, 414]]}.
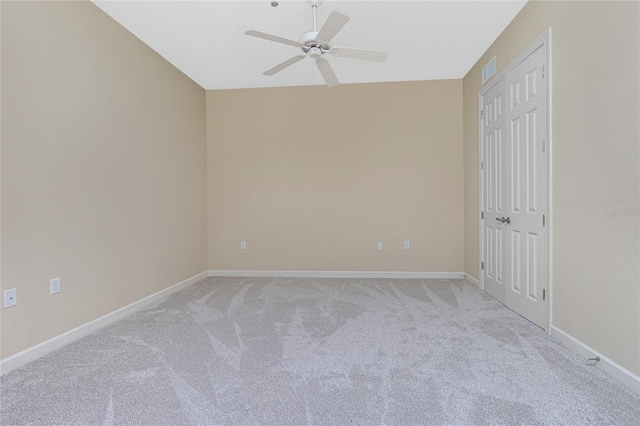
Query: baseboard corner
{"points": [[468, 278]]}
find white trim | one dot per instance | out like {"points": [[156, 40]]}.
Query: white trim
{"points": [[481, 181], [609, 367], [31, 354], [468, 278], [549, 181], [334, 274]]}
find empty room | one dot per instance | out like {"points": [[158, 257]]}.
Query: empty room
{"points": [[320, 212]]}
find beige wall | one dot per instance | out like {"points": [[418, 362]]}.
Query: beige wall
{"points": [[313, 178], [103, 169], [596, 276]]}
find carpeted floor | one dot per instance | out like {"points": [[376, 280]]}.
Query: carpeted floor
{"points": [[285, 351]]}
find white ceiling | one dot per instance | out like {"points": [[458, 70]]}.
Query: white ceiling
{"points": [[425, 40]]}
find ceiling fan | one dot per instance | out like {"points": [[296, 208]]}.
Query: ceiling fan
{"points": [[316, 43]]}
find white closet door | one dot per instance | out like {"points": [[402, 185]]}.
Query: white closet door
{"points": [[526, 181], [493, 181]]}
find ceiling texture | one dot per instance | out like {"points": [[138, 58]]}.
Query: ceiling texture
{"points": [[425, 40]]}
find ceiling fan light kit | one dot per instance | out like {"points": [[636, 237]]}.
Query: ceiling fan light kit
{"points": [[316, 43]]}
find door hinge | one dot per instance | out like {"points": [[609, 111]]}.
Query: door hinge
{"points": [[544, 145], [543, 221], [482, 265], [482, 114], [543, 71], [482, 165], [544, 294], [481, 215]]}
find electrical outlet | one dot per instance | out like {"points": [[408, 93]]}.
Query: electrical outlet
{"points": [[10, 297], [406, 245], [54, 285], [243, 245], [380, 245]]}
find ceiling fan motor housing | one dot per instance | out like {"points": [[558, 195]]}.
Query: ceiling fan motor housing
{"points": [[312, 46]]}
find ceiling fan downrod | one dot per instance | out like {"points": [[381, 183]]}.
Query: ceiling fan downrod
{"points": [[314, 6]]}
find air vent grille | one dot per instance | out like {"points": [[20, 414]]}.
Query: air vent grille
{"points": [[489, 70]]}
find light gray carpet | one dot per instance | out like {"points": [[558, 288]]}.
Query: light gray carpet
{"points": [[284, 351]]}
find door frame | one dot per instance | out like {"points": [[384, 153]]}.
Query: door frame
{"points": [[543, 40]]}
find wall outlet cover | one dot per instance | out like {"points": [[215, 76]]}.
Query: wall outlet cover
{"points": [[54, 285], [10, 297]]}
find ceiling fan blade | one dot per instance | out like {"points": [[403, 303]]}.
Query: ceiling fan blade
{"points": [[277, 39], [327, 72], [284, 65], [367, 55], [336, 21]]}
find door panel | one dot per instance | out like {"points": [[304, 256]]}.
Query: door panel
{"points": [[516, 169], [516, 261]]}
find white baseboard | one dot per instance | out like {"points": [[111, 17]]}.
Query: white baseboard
{"points": [[334, 274], [611, 368], [468, 278], [31, 354]]}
